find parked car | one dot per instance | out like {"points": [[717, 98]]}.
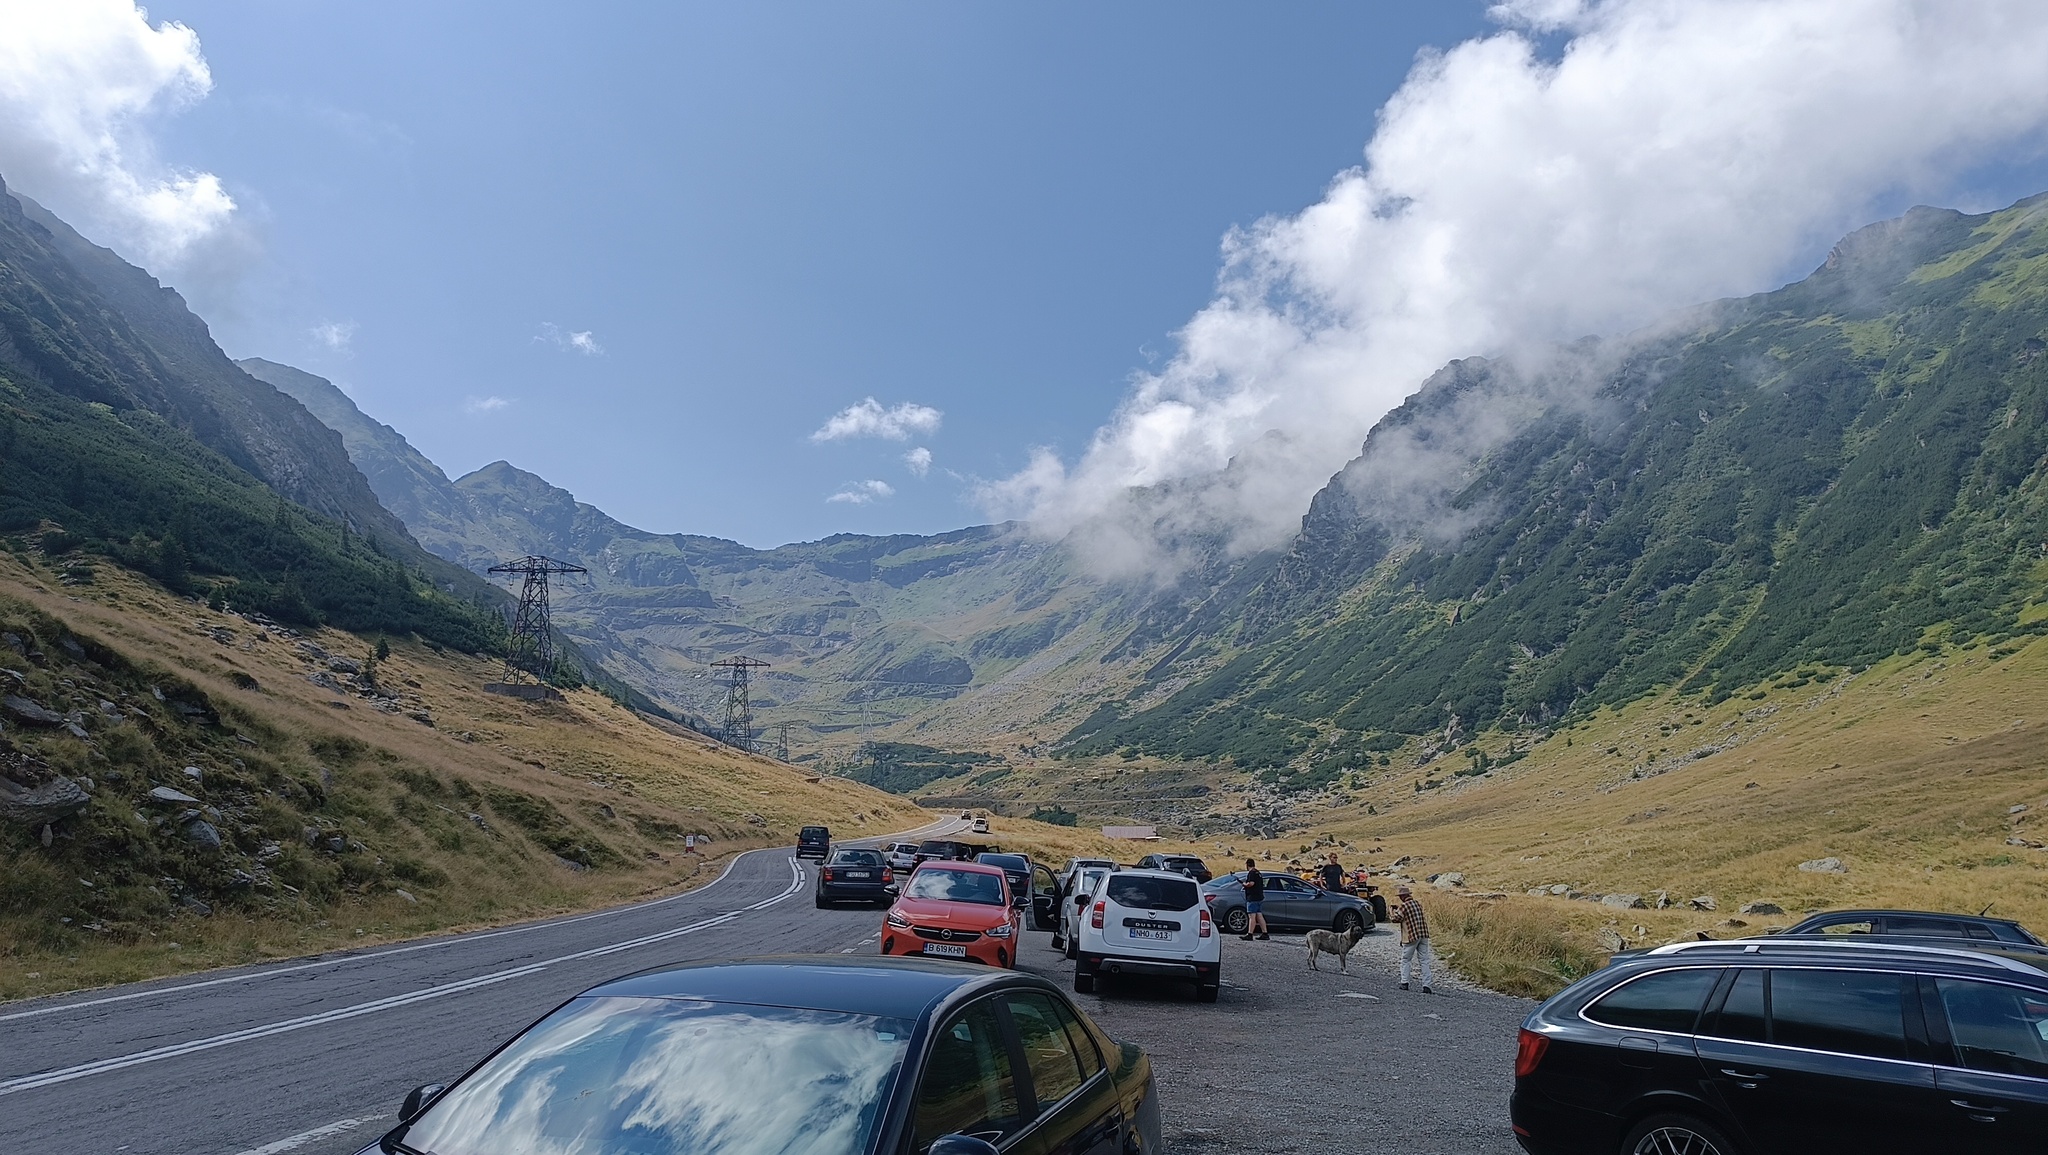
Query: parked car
{"points": [[1186, 864], [1074, 864], [901, 855], [860, 1056], [943, 850], [855, 876], [1075, 893], [957, 910], [1915, 924], [1030, 884], [1290, 904], [813, 842], [1770, 1046], [1149, 924]]}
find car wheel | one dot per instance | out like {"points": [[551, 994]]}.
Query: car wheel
{"points": [[1348, 921], [1207, 994], [1676, 1135], [1236, 921], [822, 904], [1084, 983]]}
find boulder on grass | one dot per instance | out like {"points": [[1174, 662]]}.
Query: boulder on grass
{"points": [[34, 806]]}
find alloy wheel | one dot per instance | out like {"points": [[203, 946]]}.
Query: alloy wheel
{"points": [[1676, 1139]]}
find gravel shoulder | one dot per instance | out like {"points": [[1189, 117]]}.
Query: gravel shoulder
{"points": [[1292, 1060]]}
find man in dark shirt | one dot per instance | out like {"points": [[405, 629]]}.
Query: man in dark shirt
{"points": [[1331, 875], [1254, 898]]}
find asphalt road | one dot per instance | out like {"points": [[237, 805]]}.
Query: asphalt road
{"points": [[313, 1056]]}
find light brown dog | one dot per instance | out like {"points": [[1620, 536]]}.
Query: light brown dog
{"points": [[1322, 942]]}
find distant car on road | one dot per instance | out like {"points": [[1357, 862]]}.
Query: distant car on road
{"points": [[980, 826], [813, 842], [1771, 1046], [820, 1055], [1186, 864], [956, 910], [1290, 904], [855, 876], [1914, 924], [901, 855]]}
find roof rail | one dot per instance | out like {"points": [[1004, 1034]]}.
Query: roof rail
{"points": [[1757, 945]]}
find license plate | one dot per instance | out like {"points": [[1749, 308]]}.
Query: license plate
{"points": [[949, 951], [862, 874], [1159, 934]]}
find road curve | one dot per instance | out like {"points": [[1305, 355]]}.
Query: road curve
{"points": [[311, 1056]]}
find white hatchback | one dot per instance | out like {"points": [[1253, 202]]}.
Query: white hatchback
{"points": [[1152, 924]]}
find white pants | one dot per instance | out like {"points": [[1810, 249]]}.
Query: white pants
{"points": [[1418, 955]]}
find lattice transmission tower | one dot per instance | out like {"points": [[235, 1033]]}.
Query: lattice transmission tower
{"points": [[531, 647], [739, 712]]}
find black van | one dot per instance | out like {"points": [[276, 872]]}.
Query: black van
{"points": [[813, 842], [1769, 1046]]}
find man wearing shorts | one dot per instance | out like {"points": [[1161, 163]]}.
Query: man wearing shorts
{"points": [[1254, 898]]}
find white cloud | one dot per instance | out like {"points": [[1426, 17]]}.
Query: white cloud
{"points": [[1675, 151], [336, 335], [79, 82], [484, 404], [919, 461], [863, 492], [869, 419], [569, 342]]}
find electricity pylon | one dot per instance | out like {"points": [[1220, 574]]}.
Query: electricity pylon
{"points": [[530, 648]]}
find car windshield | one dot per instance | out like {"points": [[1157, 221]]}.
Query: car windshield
{"points": [[956, 886], [856, 858], [1145, 892], [665, 1076]]}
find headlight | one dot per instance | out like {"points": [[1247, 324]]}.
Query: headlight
{"points": [[897, 921], [1003, 931]]}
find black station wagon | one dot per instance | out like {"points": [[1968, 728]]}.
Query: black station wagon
{"points": [[1770, 1047]]}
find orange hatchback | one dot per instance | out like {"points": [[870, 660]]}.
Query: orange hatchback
{"points": [[957, 910]]}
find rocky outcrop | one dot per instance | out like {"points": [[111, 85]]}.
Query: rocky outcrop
{"points": [[34, 806]]}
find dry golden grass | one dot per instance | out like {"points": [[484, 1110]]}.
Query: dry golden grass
{"points": [[618, 780]]}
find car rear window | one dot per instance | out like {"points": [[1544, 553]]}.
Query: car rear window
{"points": [[955, 886], [1144, 892], [856, 858], [1664, 1001], [1847, 1012]]}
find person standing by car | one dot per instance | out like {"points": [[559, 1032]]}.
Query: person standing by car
{"points": [[1415, 950], [1331, 874], [1254, 898]]}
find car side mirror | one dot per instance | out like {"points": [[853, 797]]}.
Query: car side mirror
{"points": [[417, 1099], [958, 1144]]}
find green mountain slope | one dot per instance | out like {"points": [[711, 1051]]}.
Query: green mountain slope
{"points": [[122, 423], [1816, 477]]}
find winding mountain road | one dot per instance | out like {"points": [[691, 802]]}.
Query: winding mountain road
{"points": [[312, 1056]]}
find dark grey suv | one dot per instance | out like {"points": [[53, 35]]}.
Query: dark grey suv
{"points": [[1769, 1046]]}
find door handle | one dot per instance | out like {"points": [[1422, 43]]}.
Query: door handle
{"points": [[1979, 1113], [1747, 1080]]}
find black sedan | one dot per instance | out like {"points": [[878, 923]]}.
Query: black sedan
{"points": [[804, 1056], [856, 876], [1291, 904]]}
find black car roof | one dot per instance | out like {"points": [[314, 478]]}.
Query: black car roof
{"points": [[1833, 916], [898, 988], [1001, 858], [1953, 956]]}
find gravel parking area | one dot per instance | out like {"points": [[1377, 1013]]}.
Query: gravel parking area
{"points": [[1324, 1064]]}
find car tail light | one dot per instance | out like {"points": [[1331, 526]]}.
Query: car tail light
{"points": [[828, 874], [888, 875], [1208, 927], [1095, 917], [1529, 1048], [1210, 899]]}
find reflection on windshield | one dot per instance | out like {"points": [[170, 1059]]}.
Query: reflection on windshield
{"points": [[956, 886], [619, 1076]]}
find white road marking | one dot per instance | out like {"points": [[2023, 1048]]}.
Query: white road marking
{"points": [[454, 940], [175, 1050], [294, 1142]]}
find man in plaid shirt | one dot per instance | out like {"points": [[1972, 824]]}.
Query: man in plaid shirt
{"points": [[1415, 950]]}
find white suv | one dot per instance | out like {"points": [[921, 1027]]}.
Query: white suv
{"points": [[1149, 923]]}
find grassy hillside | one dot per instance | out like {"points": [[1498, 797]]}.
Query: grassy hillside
{"points": [[1833, 474], [338, 799]]}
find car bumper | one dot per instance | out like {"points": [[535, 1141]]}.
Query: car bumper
{"points": [[1544, 1126], [995, 952], [856, 892], [1109, 964]]}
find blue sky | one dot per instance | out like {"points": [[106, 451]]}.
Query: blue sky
{"points": [[760, 214]]}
